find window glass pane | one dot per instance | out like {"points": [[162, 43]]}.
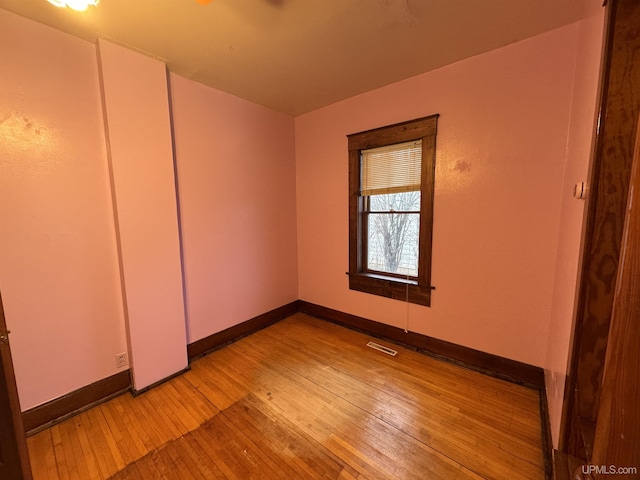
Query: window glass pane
{"points": [[395, 202], [393, 243]]}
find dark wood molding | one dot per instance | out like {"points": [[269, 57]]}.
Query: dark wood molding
{"points": [[396, 133], [203, 346], [14, 454], [609, 185], [135, 392], [500, 367], [547, 439], [617, 434], [378, 283], [59, 409]]}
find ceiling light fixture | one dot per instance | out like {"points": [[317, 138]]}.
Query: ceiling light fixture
{"points": [[79, 5]]}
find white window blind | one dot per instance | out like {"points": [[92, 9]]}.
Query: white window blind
{"points": [[391, 169]]}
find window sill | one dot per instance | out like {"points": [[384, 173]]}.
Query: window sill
{"points": [[379, 276], [391, 287]]}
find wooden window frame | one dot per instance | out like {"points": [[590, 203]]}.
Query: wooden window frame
{"points": [[415, 289]]}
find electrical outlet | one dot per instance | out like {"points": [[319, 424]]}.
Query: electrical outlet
{"points": [[121, 360]]}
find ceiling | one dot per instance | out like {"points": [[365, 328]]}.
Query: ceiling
{"points": [[295, 56]]}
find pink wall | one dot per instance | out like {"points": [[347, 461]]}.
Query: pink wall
{"points": [[61, 205], [236, 176], [58, 261], [581, 132], [136, 102], [501, 246], [502, 137], [60, 276]]}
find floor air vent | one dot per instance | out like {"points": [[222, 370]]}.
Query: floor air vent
{"points": [[382, 348]]}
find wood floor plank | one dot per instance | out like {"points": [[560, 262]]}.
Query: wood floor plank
{"points": [[59, 451], [197, 405], [109, 442], [214, 461], [200, 448], [215, 383], [157, 410], [179, 463], [94, 458], [479, 444], [372, 443], [70, 443], [139, 415], [93, 439], [307, 399], [43, 458], [297, 454], [127, 434], [483, 425], [198, 459]]}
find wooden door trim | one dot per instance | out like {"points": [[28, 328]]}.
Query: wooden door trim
{"points": [[14, 431], [611, 168], [617, 437]]}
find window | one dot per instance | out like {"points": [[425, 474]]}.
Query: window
{"points": [[391, 177]]}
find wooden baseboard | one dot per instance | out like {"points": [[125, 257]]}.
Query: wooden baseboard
{"points": [[59, 409], [135, 392], [507, 369], [201, 347]]}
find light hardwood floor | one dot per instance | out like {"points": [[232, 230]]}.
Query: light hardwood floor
{"points": [[305, 399]]}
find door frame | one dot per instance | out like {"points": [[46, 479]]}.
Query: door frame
{"points": [[14, 456], [611, 173]]}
